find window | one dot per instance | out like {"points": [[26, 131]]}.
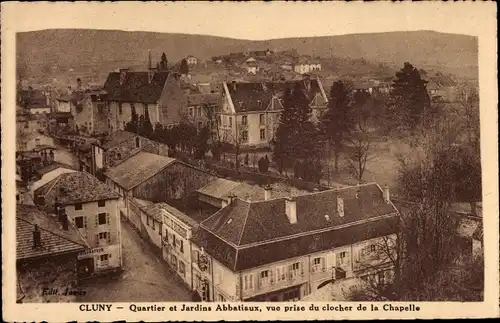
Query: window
{"points": [[262, 134], [101, 203], [79, 222], [182, 268], [244, 136], [120, 110], [26, 125], [342, 258], [153, 224], [147, 219], [318, 265], [137, 142], [244, 120], [191, 112], [181, 248], [295, 270], [281, 273], [220, 298], [103, 237], [174, 243], [373, 248], [103, 218], [78, 206], [248, 282], [230, 125], [266, 278], [104, 260], [262, 119]]}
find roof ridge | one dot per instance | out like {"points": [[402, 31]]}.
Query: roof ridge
{"points": [[52, 232], [245, 222], [56, 180], [307, 233]]}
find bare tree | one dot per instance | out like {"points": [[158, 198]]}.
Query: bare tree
{"points": [[361, 152]]}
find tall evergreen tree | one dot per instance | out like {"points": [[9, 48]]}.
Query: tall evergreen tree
{"points": [[163, 62], [184, 68], [133, 124], [146, 127], [411, 104], [337, 122], [296, 137]]}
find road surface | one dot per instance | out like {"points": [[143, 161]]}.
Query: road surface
{"points": [[146, 278]]}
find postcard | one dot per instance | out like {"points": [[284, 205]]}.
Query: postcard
{"points": [[280, 161]]}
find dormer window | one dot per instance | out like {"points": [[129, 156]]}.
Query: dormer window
{"points": [[122, 77]]}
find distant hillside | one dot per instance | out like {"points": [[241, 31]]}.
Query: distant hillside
{"points": [[108, 49]]}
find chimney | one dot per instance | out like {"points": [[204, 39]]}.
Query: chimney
{"points": [[37, 237], [151, 74], [387, 197], [340, 206], [123, 73], [267, 192], [291, 209]]}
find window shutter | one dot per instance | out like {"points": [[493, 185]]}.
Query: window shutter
{"points": [[271, 276], [109, 256], [301, 265], [108, 218], [323, 264], [85, 222], [109, 237], [97, 238], [97, 220]]}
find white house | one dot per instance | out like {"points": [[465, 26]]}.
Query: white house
{"points": [[285, 249]]}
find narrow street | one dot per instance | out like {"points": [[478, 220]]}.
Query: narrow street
{"points": [[146, 278]]}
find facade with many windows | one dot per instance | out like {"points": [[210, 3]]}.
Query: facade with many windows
{"points": [[93, 208], [250, 112], [285, 249]]}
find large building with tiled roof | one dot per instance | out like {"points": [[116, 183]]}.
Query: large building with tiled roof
{"points": [[118, 146], [156, 92], [93, 207], [154, 178], [286, 248], [250, 111], [47, 249]]}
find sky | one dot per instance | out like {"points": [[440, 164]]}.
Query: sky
{"points": [[254, 20]]}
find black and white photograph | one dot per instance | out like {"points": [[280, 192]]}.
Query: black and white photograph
{"points": [[166, 161]]}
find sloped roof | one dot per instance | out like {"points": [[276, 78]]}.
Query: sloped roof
{"points": [[218, 188], [49, 175], [77, 187], [34, 99], [204, 98], [136, 87], [54, 239], [242, 225], [246, 96], [137, 169], [115, 138], [50, 167]]}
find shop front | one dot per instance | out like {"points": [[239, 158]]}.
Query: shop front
{"points": [[98, 260]]}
